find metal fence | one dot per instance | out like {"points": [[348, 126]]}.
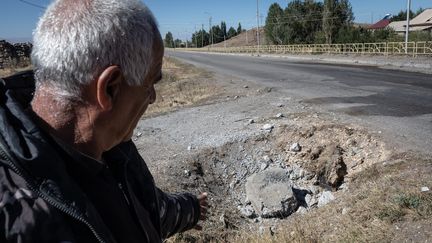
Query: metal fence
{"points": [[384, 48]]}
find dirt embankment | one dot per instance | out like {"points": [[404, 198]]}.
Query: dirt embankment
{"points": [[348, 184]]}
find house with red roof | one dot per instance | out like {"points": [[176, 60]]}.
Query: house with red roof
{"points": [[382, 24]]}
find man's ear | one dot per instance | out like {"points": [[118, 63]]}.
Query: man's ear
{"points": [[108, 86]]}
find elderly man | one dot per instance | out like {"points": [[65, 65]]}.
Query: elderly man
{"points": [[68, 169]]}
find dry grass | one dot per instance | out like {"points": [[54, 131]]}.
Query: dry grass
{"points": [[9, 71], [383, 203], [182, 85], [381, 200]]}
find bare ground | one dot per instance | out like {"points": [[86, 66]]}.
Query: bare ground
{"points": [[198, 137], [4, 72], [210, 145]]}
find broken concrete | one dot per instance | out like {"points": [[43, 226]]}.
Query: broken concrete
{"points": [[271, 193]]}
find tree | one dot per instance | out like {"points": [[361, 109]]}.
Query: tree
{"points": [[329, 27], [344, 13], [201, 38], [337, 15], [273, 28], [169, 40], [293, 23], [239, 29], [217, 34], [177, 43], [231, 32], [419, 11], [223, 28], [312, 20], [402, 15]]}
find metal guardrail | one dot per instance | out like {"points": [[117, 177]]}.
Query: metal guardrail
{"points": [[383, 48]]}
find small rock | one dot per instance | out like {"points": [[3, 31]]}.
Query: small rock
{"points": [[248, 212], [301, 210], [233, 183], [189, 148], [264, 166], [271, 193], [272, 230], [345, 211], [246, 87], [187, 172], [297, 173], [236, 97], [224, 220], [139, 134], [267, 159], [280, 105], [268, 127], [261, 230], [343, 187], [425, 189], [314, 190], [295, 147], [311, 201], [279, 115], [251, 121], [325, 198]]}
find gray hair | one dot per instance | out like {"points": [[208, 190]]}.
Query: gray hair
{"points": [[75, 40]]}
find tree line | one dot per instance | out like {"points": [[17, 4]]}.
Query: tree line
{"points": [[318, 22], [201, 38]]}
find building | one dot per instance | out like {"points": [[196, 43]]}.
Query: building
{"points": [[382, 24], [422, 22]]}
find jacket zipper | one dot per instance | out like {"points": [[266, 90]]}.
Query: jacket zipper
{"points": [[48, 199]]}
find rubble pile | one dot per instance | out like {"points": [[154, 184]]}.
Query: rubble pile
{"points": [[14, 55]]}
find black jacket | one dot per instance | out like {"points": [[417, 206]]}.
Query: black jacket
{"points": [[40, 202]]}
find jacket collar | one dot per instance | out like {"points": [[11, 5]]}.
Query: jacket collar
{"points": [[33, 154]]}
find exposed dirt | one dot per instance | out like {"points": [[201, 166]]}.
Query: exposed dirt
{"points": [[246, 38], [215, 146], [222, 171], [4, 72]]}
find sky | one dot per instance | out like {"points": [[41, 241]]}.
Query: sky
{"points": [[18, 18]]}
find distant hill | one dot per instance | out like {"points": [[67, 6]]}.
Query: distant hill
{"points": [[246, 38], [249, 38]]}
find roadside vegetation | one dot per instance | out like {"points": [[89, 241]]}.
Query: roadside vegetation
{"points": [[201, 38], [182, 85], [383, 203], [307, 22], [4, 72], [328, 22]]}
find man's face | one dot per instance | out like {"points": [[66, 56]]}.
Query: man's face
{"points": [[134, 100]]}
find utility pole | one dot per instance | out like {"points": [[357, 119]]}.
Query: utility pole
{"points": [[202, 35], [247, 42], [407, 25], [210, 30], [196, 38], [258, 34]]}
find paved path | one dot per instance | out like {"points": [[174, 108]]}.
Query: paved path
{"points": [[397, 103]]}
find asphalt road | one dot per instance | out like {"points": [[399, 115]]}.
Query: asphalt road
{"points": [[396, 103]]}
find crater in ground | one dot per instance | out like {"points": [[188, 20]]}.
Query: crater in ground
{"points": [[318, 160]]}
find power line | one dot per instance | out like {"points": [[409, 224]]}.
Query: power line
{"points": [[32, 4]]}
